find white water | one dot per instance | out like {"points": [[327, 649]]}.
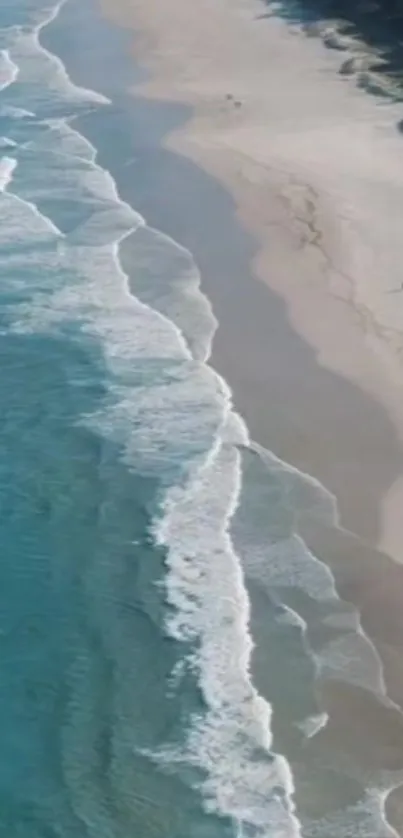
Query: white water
{"points": [[186, 423]]}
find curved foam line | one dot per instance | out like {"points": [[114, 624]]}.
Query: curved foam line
{"points": [[52, 15], [216, 450], [7, 166], [13, 69]]}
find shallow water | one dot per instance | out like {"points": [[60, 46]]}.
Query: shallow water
{"points": [[128, 703]]}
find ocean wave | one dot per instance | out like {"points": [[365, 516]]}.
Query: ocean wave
{"points": [[23, 227], [205, 589], [167, 278], [172, 416], [40, 77], [8, 70], [368, 818], [59, 136], [266, 531], [7, 166], [170, 413]]}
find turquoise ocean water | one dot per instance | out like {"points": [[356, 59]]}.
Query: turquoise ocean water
{"points": [[127, 704]]}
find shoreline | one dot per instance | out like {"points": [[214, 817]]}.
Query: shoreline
{"points": [[268, 392], [267, 388], [279, 208]]}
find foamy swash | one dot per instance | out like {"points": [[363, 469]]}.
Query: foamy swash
{"points": [[130, 331], [173, 418]]}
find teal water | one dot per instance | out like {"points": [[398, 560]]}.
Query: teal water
{"points": [[106, 414], [80, 609], [127, 701]]}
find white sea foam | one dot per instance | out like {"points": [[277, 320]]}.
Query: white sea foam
{"points": [[6, 143], [167, 278], [265, 527], [352, 658], [364, 820], [7, 166], [170, 410], [64, 139], [205, 589], [305, 492], [8, 70], [156, 423], [40, 69], [16, 112], [131, 331], [274, 555], [313, 724], [179, 420], [24, 226], [59, 73]]}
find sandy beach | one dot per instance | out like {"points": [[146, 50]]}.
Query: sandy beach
{"points": [[313, 165], [201, 438], [307, 295]]}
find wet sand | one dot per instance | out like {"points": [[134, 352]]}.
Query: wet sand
{"points": [[306, 371], [309, 349], [299, 162]]}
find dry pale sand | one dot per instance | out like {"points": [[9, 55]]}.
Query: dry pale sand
{"points": [[315, 167]]}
